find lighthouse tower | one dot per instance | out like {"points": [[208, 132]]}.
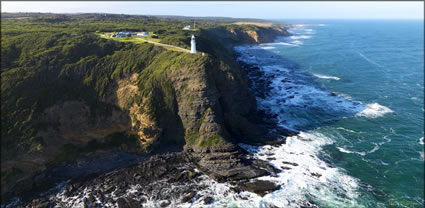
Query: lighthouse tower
{"points": [[193, 45]]}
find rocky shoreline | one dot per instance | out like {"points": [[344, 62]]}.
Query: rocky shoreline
{"points": [[160, 181], [166, 179]]}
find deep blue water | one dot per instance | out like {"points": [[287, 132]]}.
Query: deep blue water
{"points": [[374, 116]]}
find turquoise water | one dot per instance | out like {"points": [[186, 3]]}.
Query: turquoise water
{"points": [[355, 89], [379, 64]]}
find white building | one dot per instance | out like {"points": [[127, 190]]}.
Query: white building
{"points": [[187, 27], [143, 34], [193, 45]]}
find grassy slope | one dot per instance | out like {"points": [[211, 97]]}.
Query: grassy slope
{"points": [[43, 65]]}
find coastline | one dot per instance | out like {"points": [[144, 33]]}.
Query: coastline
{"points": [[62, 183]]}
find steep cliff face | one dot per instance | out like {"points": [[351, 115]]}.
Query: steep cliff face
{"points": [[230, 35], [201, 102]]}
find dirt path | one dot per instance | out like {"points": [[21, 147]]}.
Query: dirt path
{"points": [[165, 45]]}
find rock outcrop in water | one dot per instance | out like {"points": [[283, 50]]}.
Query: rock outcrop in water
{"points": [[162, 180]]}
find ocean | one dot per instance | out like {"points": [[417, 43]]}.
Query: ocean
{"points": [[354, 89]]}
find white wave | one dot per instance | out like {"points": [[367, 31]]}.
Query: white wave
{"points": [[345, 129], [326, 77], [421, 140], [375, 148], [292, 94], [300, 37], [267, 47], [297, 42], [344, 150], [308, 178], [351, 152], [421, 157], [384, 163], [282, 43], [303, 25], [374, 110]]}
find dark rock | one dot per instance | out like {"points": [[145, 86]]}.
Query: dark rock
{"points": [[92, 201], [235, 189], [99, 196], [285, 168], [266, 165], [317, 175], [208, 200], [260, 187], [198, 196], [164, 203], [108, 189], [42, 204], [132, 203], [85, 203], [68, 190], [122, 203], [289, 163], [143, 199], [110, 201], [188, 197], [275, 142]]}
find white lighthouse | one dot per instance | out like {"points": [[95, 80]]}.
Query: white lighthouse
{"points": [[193, 45]]}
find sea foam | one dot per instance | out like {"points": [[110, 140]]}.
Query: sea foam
{"points": [[267, 47], [326, 77], [305, 180], [374, 110], [300, 37]]}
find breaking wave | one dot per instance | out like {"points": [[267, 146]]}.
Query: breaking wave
{"points": [[326, 77], [300, 37], [374, 110], [305, 180]]}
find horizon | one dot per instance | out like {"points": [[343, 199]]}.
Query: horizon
{"points": [[256, 10], [166, 15]]}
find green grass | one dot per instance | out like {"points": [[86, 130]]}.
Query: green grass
{"points": [[211, 141], [144, 40], [192, 137], [42, 65]]}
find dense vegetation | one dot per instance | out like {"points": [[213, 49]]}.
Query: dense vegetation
{"points": [[49, 58], [43, 64]]}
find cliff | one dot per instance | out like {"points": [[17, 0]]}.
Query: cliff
{"points": [[86, 94]]}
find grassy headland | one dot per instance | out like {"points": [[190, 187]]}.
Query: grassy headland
{"points": [[66, 90]]}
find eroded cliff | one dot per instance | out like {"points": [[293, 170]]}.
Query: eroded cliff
{"points": [[149, 97]]}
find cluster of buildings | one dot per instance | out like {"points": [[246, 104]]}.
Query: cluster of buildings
{"points": [[128, 34], [188, 27]]}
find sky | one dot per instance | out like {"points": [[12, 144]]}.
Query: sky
{"points": [[239, 9]]}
